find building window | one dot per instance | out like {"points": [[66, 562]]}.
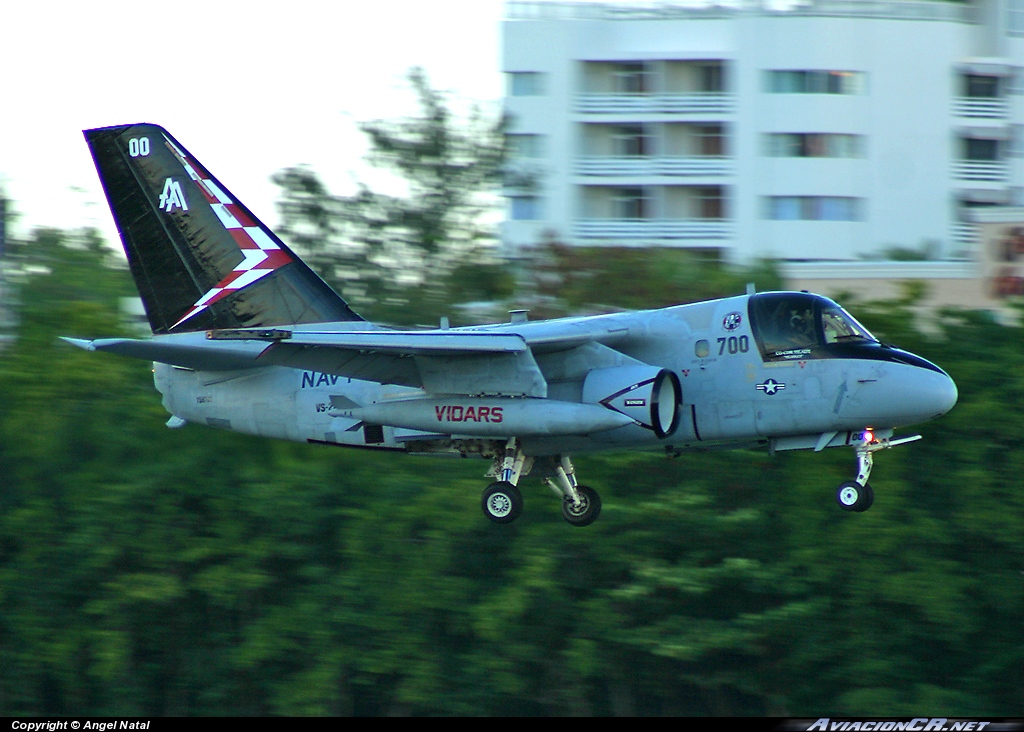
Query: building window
{"points": [[813, 145], [813, 208], [981, 87], [1014, 82], [1015, 17], [526, 83], [631, 141], [710, 202], [525, 145], [712, 77], [524, 208], [631, 203], [711, 140], [978, 149], [694, 140], [631, 79], [1015, 145], [815, 82]]}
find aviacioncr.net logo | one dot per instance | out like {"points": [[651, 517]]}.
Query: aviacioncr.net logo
{"points": [[918, 724]]}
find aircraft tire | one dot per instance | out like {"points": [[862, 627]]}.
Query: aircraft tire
{"points": [[852, 496], [502, 502], [588, 510]]}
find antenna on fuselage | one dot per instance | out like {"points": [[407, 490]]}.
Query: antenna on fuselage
{"points": [[751, 288]]}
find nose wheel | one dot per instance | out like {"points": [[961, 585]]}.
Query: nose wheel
{"points": [[852, 496], [857, 495]]}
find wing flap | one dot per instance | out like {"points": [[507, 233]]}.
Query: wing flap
{"points": [[396, 342], [441, 362]]}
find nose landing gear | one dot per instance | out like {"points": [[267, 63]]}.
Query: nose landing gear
{"points": [[852, 496], [857, 495]]}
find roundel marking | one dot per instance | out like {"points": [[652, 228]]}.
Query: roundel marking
{"points": [[732, 321]]}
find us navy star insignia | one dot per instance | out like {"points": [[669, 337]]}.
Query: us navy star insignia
{"points": [[770, 386]]}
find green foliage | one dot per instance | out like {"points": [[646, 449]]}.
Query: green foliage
{"points": [[407, 258], [153, 571], [559, 279], [430, 252]]}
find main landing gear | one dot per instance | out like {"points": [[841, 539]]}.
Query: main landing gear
{"points": [[857, 495], [502, 502]]}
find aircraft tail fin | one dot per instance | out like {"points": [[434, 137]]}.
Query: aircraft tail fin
{"points": [[200, 259]]}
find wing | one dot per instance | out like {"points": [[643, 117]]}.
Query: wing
{"points": [[439, 362], [453, 361]]}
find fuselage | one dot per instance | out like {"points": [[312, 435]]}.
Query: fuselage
{"points": [[789, 370]]}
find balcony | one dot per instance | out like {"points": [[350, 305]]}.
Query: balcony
{"points": [[980, 107], [707, 103], [626, 11], [681, 229], [964, 234], [985, 171], [642, 165]]}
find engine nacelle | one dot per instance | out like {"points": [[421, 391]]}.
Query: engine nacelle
{"points": [[649, 395]]}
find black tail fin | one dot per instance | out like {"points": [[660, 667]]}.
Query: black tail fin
{"points": [[200, 259]]}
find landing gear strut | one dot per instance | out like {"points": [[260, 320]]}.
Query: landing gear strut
{"points": [[857, 495], [502, 502]]}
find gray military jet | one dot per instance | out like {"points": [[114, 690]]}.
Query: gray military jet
{"points": [[246, 337]]}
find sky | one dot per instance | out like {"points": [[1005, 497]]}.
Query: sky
{"points": [[248, 91]]}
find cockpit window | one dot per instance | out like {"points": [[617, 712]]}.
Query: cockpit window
{"points": [[797, 325], [840, 326], [784, 323]]}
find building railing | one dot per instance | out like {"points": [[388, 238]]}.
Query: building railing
{"points": [[653, 165], [964, 234], [696, 103], [898, 9], [983, 108], [652, 229], [989, 171]]}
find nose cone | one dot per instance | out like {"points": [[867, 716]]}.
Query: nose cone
{"points": [[922, 394], [946, 396], [900, 394]]}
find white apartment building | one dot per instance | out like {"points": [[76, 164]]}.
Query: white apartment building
{"points": [[803, 130]]}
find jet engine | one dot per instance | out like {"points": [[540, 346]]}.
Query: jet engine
{"points": [[648, 395]]}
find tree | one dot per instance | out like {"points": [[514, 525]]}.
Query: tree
{"points": [[148, 571], [558, 279], [431, 247]]}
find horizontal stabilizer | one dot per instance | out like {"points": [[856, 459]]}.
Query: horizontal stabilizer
{"points": [[201, 357]]}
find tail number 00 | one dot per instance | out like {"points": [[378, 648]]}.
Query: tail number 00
{"points": [[138, 147]]}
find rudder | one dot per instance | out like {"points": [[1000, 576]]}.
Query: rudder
{"points": [[200, 259]]}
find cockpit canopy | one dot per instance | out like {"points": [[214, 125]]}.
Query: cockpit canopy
{"points": [[798, 325]]}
